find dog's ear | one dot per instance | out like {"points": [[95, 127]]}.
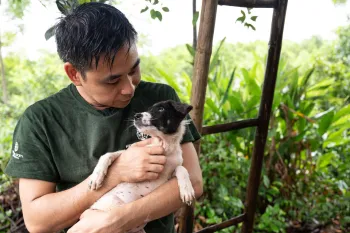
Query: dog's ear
{"points": [[182, 108]]}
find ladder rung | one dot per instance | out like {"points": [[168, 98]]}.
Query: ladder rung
{"points": [[250, 3], [225, 224], [220, 128]]}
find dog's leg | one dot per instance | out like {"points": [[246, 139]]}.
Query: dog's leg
{"points": [[185, 185], [101, 168]]}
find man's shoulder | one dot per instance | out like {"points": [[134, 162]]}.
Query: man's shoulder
{"points": [[47, 105], [153, 89]]}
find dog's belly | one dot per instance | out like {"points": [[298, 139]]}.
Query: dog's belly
{"points": [[127, 192]]}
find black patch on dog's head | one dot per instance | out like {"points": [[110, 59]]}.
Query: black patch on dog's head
{"points": [[166, 116]]}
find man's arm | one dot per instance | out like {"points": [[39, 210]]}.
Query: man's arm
{"points": [[44, 210]]}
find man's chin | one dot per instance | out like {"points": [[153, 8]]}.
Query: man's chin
{"points": [[122, 104]]}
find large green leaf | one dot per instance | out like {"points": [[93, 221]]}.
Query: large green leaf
{"points": [[236, 103], [342, 112], [228, 87], [195, 18], [215, 58], [252, 87], [324, 122], [334, 142], [305, 82], [170, 80], [213, 107], [322, 84], [324, 160]]}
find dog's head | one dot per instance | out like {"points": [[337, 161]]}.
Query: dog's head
{"points": [[164, 117]]}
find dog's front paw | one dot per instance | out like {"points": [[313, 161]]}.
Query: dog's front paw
{"points": [[185, 185], [99, 173], [187, 193], [101, 168], [96, 179]]}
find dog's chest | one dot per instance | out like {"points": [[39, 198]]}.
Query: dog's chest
{"points": [[174, 159], [128, 192]]}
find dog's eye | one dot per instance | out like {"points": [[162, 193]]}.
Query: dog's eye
{"points": [[160, 109]]}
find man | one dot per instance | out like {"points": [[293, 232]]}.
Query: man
{"points": [[58, 141]]}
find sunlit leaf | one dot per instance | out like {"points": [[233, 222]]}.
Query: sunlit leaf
{"points": [[195, 18], [144, 9], [248, 25], [324, 122], [253, 18], [324, 160]]}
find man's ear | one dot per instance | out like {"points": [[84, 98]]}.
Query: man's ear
{"points": [[182, 108], [73, 74]]}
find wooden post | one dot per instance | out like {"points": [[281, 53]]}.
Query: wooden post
{"points": [[264, 113], [201, 63], [199, 86]]}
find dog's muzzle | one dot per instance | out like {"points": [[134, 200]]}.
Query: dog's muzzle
{"points": [[143, 119]]}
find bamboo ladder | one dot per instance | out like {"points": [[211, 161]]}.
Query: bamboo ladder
{"points": [[199, 85]]}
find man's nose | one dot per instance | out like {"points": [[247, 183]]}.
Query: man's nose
{"points": [[128, 88], [138, 116]]}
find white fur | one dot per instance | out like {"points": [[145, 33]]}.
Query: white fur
{"points": [[128, 192], [146, 118]]}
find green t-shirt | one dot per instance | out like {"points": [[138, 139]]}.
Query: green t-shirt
{"points": [[60, 139]]}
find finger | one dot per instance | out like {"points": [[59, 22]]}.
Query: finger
{"points": [[151, 175], [142, 143], [156, 168], [155, 150], [157, 159]]}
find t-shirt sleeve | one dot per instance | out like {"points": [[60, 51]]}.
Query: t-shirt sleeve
{"points": [[191, 134], [30, 155]]}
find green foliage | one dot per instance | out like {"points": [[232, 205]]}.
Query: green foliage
{"points": [[195, 18], [273, 220], [306, 169], [247, 19], [339, 1], [306, 166], [154, 12], [17, 7]]}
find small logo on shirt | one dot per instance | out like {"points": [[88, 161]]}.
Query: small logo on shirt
{"points": [[14, 152]]}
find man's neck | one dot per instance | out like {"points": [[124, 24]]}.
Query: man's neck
{"points": [[90, 100]]}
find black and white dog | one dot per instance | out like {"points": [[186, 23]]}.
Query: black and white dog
{"points": [[164, 121]]}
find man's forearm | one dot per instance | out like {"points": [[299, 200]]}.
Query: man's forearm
{"points": [[56, 211], [161, 202]]}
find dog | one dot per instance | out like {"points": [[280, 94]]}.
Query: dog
{"points": [[165, 123]]}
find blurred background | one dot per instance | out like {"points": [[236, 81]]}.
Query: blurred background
{"points": [[306, 171]]}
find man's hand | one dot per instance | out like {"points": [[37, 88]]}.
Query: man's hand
{"points": [[96, 221], [141, 161]]}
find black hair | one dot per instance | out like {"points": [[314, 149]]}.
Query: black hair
{"points": [[91, 30]]}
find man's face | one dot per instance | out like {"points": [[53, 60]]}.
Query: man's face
{"points": [[112, 87]]}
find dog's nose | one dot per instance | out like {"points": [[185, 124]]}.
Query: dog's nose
{"points": [[138, 115]]}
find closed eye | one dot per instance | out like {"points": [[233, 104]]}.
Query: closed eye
{"points": [[132, 72]]}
